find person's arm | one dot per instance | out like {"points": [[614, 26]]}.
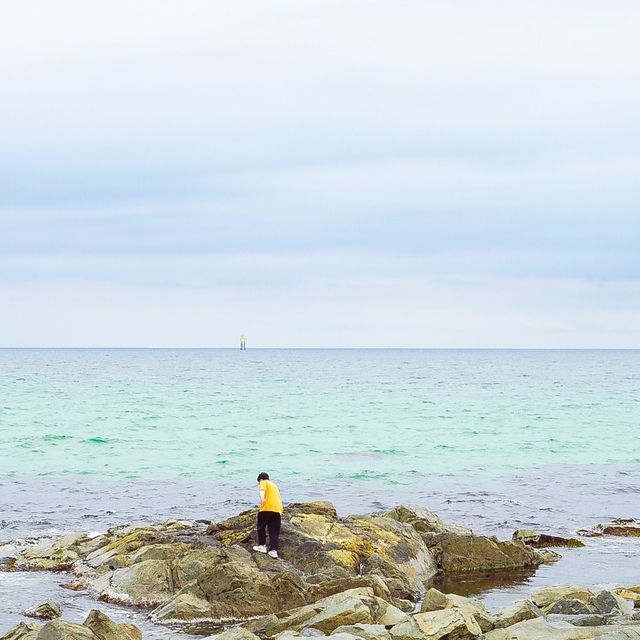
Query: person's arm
{"points": [[262, 495]]}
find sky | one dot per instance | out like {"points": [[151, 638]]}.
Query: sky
{"points": [[320, 173]]}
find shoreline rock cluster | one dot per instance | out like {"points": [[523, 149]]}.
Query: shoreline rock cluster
{"points": [[361, 577]]}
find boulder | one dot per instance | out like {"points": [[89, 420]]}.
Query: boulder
{"points": [[516, 612], [574, 600], [542, 629], [629, 593], [106, 629], [461, 554], [608, 601], [569, 607], [48, 610], [546, 597], [61, 630], [540, 540], [547, 556], [364, 631], [451, 624], [435, 600], [22, 631], [343, 609], [233, 633]]}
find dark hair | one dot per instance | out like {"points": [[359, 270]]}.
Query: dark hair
{"points": [[263, 476]]}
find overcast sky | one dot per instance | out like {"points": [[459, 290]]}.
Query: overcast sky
{"points": [[320, 173]]}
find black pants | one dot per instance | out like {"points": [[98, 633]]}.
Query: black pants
{"points": [[269, 520]]}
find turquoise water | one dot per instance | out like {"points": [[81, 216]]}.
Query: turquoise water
{"points": [[316, 415]]}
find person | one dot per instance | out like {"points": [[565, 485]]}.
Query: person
{"points": [[269, 515]]}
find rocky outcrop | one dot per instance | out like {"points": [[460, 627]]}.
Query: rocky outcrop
{"points": [[539, 540], [318, 543], [187, 571], [48, 610], [626, 527]]}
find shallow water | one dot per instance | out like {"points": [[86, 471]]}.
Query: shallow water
{"points": [[493, 439]]}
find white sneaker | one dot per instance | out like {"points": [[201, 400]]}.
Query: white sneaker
{"points": [[260, 548], [273, 553]]}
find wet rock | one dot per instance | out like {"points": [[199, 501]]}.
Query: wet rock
{"points": [[461, 554], [106, 629], [547, 556], [451, 624], [540, 540], [516, 612], [435, 600], [61, 630], [22, 631], [48, 610], [626, 527], [364, 631]]}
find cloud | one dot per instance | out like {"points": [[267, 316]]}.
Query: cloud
{"points": [[323, 167]]}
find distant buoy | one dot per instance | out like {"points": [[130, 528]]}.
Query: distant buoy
{"points": [[243, 343]]}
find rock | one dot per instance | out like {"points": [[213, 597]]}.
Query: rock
{"points": [[61, 630], [343, 609], [316, 542], [131, 630], [106, 629], [547, 556], [586, 620], [569, 607], [181, 608], [233, 633], [434, 600], [425, 521], [540, 540], [516, 612], [627, 527], [629, 593], [461, 554], [22, 631], [47, 610], [364, 631], [630, 633], [607, 601], [451, 624], [146, 583], [546, 597], [541, 629]]}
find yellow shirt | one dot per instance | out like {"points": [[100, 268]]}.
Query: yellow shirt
{"points": [[272, 499]]}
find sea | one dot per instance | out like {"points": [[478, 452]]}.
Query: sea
{"points": [[492, 439]]}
